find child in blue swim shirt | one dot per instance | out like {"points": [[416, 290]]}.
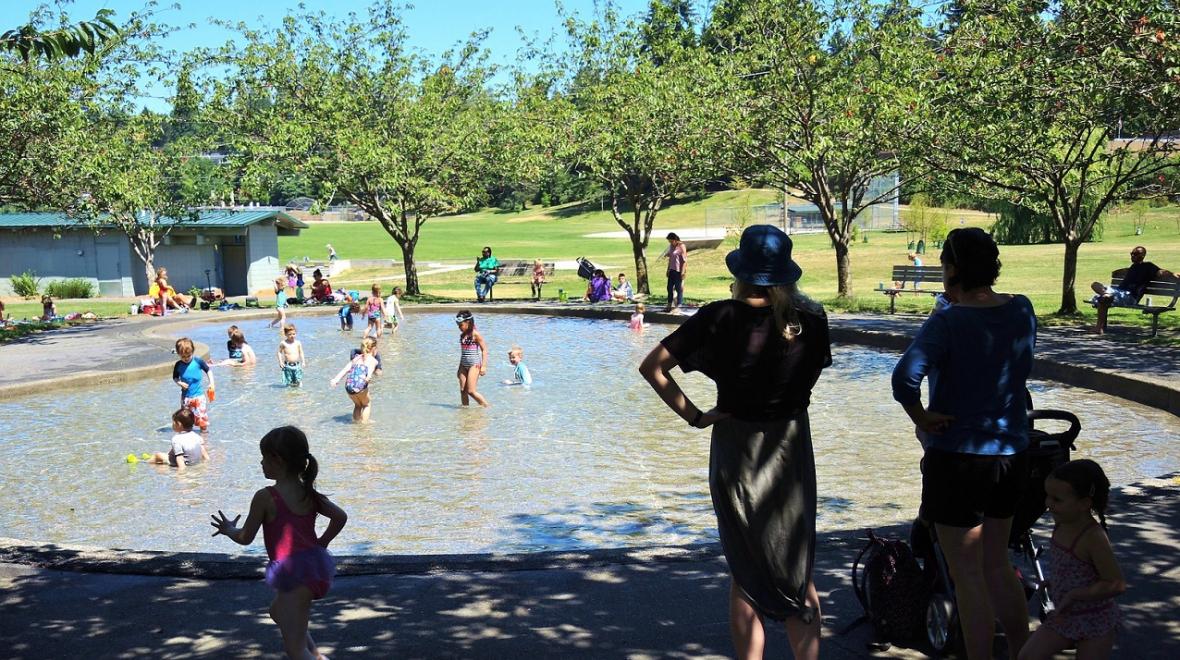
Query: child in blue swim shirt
{"points": [[520, 373], [194, 378]]}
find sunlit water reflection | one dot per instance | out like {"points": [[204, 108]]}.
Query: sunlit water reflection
{"points": [[588, 457]]}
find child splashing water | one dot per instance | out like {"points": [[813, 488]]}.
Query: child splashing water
{"points": [[358, 372], [473, 359], [300, 568], [1084, 576]]}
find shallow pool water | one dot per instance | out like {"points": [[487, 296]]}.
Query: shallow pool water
{"points": [[587, 457]]}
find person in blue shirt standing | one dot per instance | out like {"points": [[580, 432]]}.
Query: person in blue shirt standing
{"points": [[977, 354]]}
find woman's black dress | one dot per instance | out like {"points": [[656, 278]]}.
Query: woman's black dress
{"points": [[761, 464]]}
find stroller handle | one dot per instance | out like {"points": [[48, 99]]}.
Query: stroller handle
{"points": [[1065, 437]]}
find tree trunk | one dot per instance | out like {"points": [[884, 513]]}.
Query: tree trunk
{"points": [[641, 275], [843, 268], [411, 267], [1069, 301]]}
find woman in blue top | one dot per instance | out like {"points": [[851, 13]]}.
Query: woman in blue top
{"points": [[977, 354]]}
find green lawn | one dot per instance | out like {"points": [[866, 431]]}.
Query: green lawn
{"points": [[551, 234], [560, 234]]}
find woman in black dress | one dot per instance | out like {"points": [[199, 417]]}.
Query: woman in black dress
{"points": [[764, 349]]}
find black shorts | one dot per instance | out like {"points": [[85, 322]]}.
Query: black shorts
{"points": [[960, 490]]}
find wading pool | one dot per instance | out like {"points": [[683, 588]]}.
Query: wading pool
{"points": [[588, 457]]}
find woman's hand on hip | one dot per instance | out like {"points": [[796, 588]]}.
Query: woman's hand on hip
{"points": [[933, 422], [711, 417]]}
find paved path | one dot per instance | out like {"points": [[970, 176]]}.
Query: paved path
{"points": [[629, 608]]}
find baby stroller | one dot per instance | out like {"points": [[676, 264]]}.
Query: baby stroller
{"points": [[1046, 452], [585, 268]]}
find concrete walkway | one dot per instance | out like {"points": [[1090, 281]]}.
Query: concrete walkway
{"points": [[607, 605]]}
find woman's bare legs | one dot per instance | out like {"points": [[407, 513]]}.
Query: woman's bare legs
{"points": [[749, 637], [985, 585], [805, 636], [1004, 588]]}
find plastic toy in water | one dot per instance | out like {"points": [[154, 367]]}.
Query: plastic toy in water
{"points": [[131, 458], [212, 394], [145, 456]]}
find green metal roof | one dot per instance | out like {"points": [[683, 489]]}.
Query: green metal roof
{"points": [[212, 218]]}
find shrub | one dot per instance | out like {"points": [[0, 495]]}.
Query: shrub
{"points": [[74, 287], [26, 285]]}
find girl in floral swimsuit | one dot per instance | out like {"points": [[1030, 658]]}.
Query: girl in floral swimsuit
{"points": [[1084, 576]]}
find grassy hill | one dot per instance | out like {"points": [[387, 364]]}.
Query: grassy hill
{"points": [[560, 233]]}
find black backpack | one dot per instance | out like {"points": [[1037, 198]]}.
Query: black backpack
{"points": [[892, 589]]}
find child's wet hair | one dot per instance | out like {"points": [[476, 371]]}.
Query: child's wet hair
{"points": [[369, 345], [639, 307], [288, 329], [236, 337], [185, 418], [290, 444], [1087, 479], [231, 330], [516, 350], [397, 291], [376, 290], [184, 346]]}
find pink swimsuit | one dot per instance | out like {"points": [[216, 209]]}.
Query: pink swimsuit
{"points": [[1084, 619], [296, 556]]}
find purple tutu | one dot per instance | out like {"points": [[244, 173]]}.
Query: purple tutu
{"points": [[313, 568]]}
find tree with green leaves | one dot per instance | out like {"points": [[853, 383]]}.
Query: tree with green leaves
{"points": [[826, 96], [42, 125], [131, 186], [403, 137], [646, 132], [1063, 109], [31, 42]]}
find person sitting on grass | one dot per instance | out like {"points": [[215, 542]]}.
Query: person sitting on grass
{"points": [[321, 288], [1136, 279], [48, 308], [598, 289], [622, 291]]}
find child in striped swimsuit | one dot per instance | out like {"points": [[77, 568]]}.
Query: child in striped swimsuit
{"points": [[473, 358]]}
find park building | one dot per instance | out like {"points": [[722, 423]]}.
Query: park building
{"points": [[234, 249]]}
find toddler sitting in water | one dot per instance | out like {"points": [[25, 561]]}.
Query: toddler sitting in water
{"points": [[187, 447], [520, 373], [636, 322]]}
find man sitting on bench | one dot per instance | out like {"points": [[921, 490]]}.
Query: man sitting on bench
{"points": [[1127, 294]]}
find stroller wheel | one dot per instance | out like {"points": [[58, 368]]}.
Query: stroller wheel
{"points": [[941, 622]]}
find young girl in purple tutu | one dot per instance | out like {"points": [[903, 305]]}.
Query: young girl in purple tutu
{"points": [[300, 568]]}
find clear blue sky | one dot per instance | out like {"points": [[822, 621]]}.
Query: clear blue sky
{"points": [[433, 25]]}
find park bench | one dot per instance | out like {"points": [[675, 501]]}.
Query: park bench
{"points": [[916, 276], [1162, 288], [519, 270]]}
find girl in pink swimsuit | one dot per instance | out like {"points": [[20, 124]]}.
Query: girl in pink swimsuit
{"points": [[1084, 576], [300, 568]]}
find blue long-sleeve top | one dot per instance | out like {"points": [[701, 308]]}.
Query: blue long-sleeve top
{"points": [[978, 360]]}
